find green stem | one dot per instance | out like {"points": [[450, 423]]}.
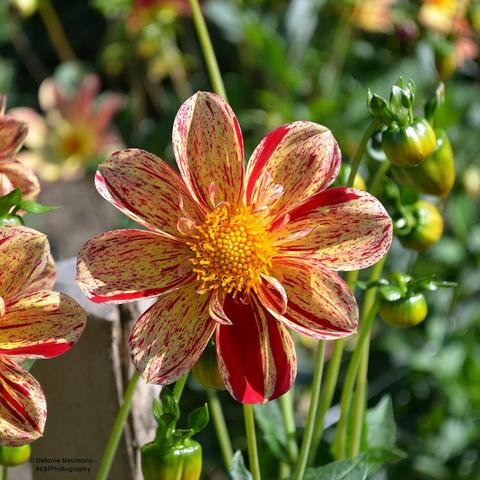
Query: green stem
{"points": [[359, 401], [360, 396], [251, 441], [328, 391], [312, 412], [341, 43], [179, 386], [361, 150], [56, 32], [4, 472], [220, 426], [378, 177], [207, 48], [368, 314], [117, 430], [286, 407]]}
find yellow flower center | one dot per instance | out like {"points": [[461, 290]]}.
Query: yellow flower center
{"points": [[232, 249]]}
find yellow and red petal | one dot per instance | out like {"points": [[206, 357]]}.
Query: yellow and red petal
{"points": [[168, 339], [41, 324], [44, 280], [23, 409], [320, 304], [208, 146], [134, 180], [12, 134], [346, 229], [256, 354], [21, 176], [23, 255], [125, 265], [301, 158]]}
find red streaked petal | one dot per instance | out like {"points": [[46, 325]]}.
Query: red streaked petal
{"points": [[23, 254], [216, 310], [272, 295], [256, 353], [350, 229], [208, 146], [44, 280], [146, 189], [22, 177], [301, 157], [23, 409], [40, 324], [168, 339], [125, 265], [320, 303], [12, 134]]}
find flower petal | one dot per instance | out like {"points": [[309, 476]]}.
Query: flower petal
{"points": [[256, 353], [124, 265], [351, 229], [21, 176], [320, 303], [12, 133], [23, 408], [23, 254], [110, 104], [37, 126], [44, 280], [208, 146], [146, 189], [40, 324], [302, 158], [168, 339]]}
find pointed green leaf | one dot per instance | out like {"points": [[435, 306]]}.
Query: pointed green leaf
{"points": [[269, 419], [31, 206], [239, 471], [390, 293], [355, 469], [198, 419]]}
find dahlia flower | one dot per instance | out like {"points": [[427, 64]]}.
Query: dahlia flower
{"points": [[441, 15], [74, 132], [34, 324], [238, 254], [374, 15], [13, 173]]}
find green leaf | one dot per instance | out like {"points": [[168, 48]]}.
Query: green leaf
{"points": [[269, 419], [379, 107], [198, 419], [380, 425], [157, 409], [390, 292], [169, 402], [239, 470], [382, 455], [355, 469], [31, 206], [10, 200]]}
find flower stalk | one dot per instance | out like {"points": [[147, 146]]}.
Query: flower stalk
{"points": [[118, 427], [207, 48], [286, 407], [56, 32], [369, 311], [312, 412], [251, 441], [220, 426]]}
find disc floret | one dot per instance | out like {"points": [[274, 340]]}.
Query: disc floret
{"points": [[232, 250]]}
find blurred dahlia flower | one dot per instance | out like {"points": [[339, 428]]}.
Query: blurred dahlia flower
{"points": [[35, 323], [373, 15], [440, 15], [75, 131], [239, 254], [14, 173]]}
